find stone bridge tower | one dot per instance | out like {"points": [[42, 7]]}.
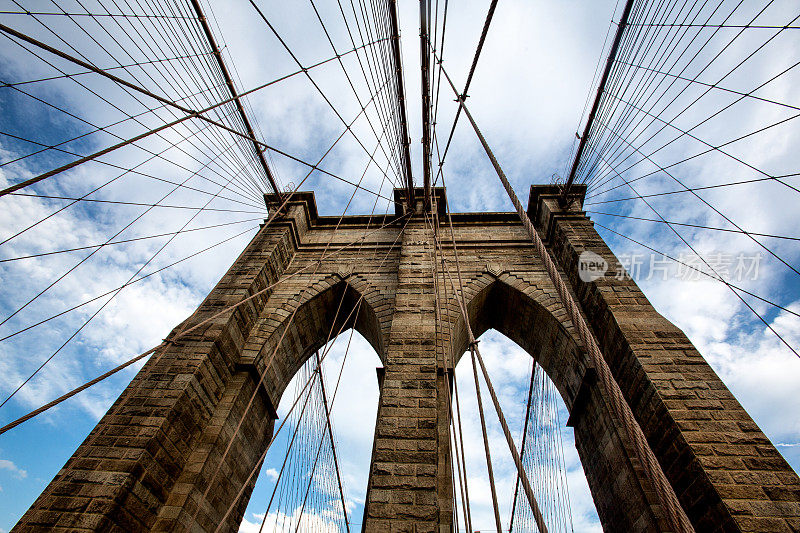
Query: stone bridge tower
{"points": [[150, 462]]}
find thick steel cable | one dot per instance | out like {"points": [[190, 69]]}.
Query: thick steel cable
{"points": [[473, 67], [229, 82], [474, 351], [449, 367], [675, 514], [486, 450], [459, 437], [425, 68]]}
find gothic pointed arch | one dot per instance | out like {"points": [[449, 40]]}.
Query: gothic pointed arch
{"points": [[530, 314], [293, 327]]}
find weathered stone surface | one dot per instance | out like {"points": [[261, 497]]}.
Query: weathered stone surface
{"points": [[176, 449]]}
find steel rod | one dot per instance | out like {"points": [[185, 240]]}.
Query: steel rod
{"points": [[612, 54], [229, 82], [401, 100]]}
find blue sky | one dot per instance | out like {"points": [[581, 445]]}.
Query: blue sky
{"points": [[534, 77]]}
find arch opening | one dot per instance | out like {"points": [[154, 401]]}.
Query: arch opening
{"points": [[353, 410], [308, 327], [510, 366], [534, 320], [338, 324]]}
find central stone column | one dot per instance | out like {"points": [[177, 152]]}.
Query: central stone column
{"points": [[410, 488]]}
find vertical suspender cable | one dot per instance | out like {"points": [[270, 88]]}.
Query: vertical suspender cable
{"points": [[524, 442], [330, 436], [401, 100]]}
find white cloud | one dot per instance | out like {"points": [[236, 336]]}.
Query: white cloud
{"points": [[16, 471], [271, 474]]}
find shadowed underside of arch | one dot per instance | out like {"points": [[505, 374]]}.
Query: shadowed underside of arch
{"points": [[519, 310]]}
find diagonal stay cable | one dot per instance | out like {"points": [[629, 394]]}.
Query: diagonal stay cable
{"points": [[708, 204], [341, 135], [690, 189], [701, 271], [191, 329], [123, 241], [138, 217], [308, 75], [116, 292], [190, 114], [472, 68], [698, 226], [711, 268]]}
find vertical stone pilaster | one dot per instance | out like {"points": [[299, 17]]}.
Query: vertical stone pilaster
{"points": [[409, 488]]}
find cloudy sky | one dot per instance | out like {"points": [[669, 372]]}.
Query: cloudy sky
{"points": [[537, 71]]}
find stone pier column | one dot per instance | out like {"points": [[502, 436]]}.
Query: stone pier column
{"points": [[410, 488]]}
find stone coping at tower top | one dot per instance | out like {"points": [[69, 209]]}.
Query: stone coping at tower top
{"points": [[542, 207]]}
